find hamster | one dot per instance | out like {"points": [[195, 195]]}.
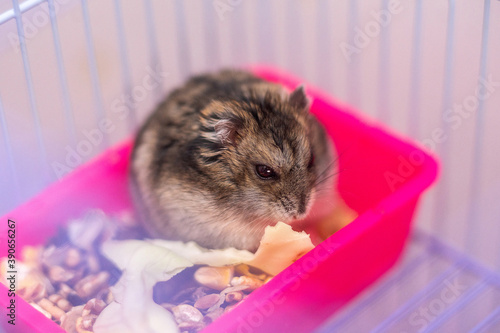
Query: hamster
{"points": [[226, 155]]}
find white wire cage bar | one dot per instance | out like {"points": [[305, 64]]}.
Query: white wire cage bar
{"points": [[408, 68]]}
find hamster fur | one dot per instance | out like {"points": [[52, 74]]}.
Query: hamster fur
{"points": [[224, 156]]}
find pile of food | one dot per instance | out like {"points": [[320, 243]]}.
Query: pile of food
{"points": [[96, 276]]}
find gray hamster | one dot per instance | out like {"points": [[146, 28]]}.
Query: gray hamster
{"points": [[224, 156]]}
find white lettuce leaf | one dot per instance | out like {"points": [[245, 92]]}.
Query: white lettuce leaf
{"points": [[201, 256], [279, 248], [143, 264]]}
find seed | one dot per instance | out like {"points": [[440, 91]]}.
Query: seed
{"points": [[187, 313], [48, 306], [68, 293], [106, 295], [73, 258], [42, 310], [31, 255], [93, 306], [200, 292], [230, 307], [188, 326], [53, 256], [68, 321], [79, 326], [233, 288], [109, 297], [59, 274], [65, 290], [88, 321], [234, 296], [93, 263], [243, 269], [249, 281], [207, 301], [216, 278], [211, 316], [62, 303], [168, 306], [54, 298], [33, 291], [90, 285]]}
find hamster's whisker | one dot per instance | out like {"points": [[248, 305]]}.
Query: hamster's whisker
{"points": [[320, 181], [329, 167], [326, 171]]}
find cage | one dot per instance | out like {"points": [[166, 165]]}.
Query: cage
{"points": [[77, 77]]}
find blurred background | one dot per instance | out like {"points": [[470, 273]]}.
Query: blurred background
{"points": [[79, 76]]}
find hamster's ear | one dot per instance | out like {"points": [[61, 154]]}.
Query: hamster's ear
{"points": [[298, 98], [220, 124], [226, 131]]}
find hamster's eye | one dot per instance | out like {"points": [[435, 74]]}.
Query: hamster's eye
{"points": [[264, 171], [311, 161]]}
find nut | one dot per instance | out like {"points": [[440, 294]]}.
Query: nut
{"points": [[51, 308], [93, 263], [68, 321], [59, 274], [31, 256], [207, 301], [200, 292], [73, 258], [234, 296], [186, 313], [216, 278], [234, 288], [190, 326], [106, 295], [65, 290], [168, 306], [249, 281], [91, 284], [33, 291], [230, 307], [244, 269], [109, 297], [88, 321], [42, 310], [53, 256], [61, 302], [93, 306], [79, 326], [211, 316]]}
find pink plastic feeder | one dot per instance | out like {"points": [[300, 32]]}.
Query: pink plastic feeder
{"points": [[382, 180]]}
